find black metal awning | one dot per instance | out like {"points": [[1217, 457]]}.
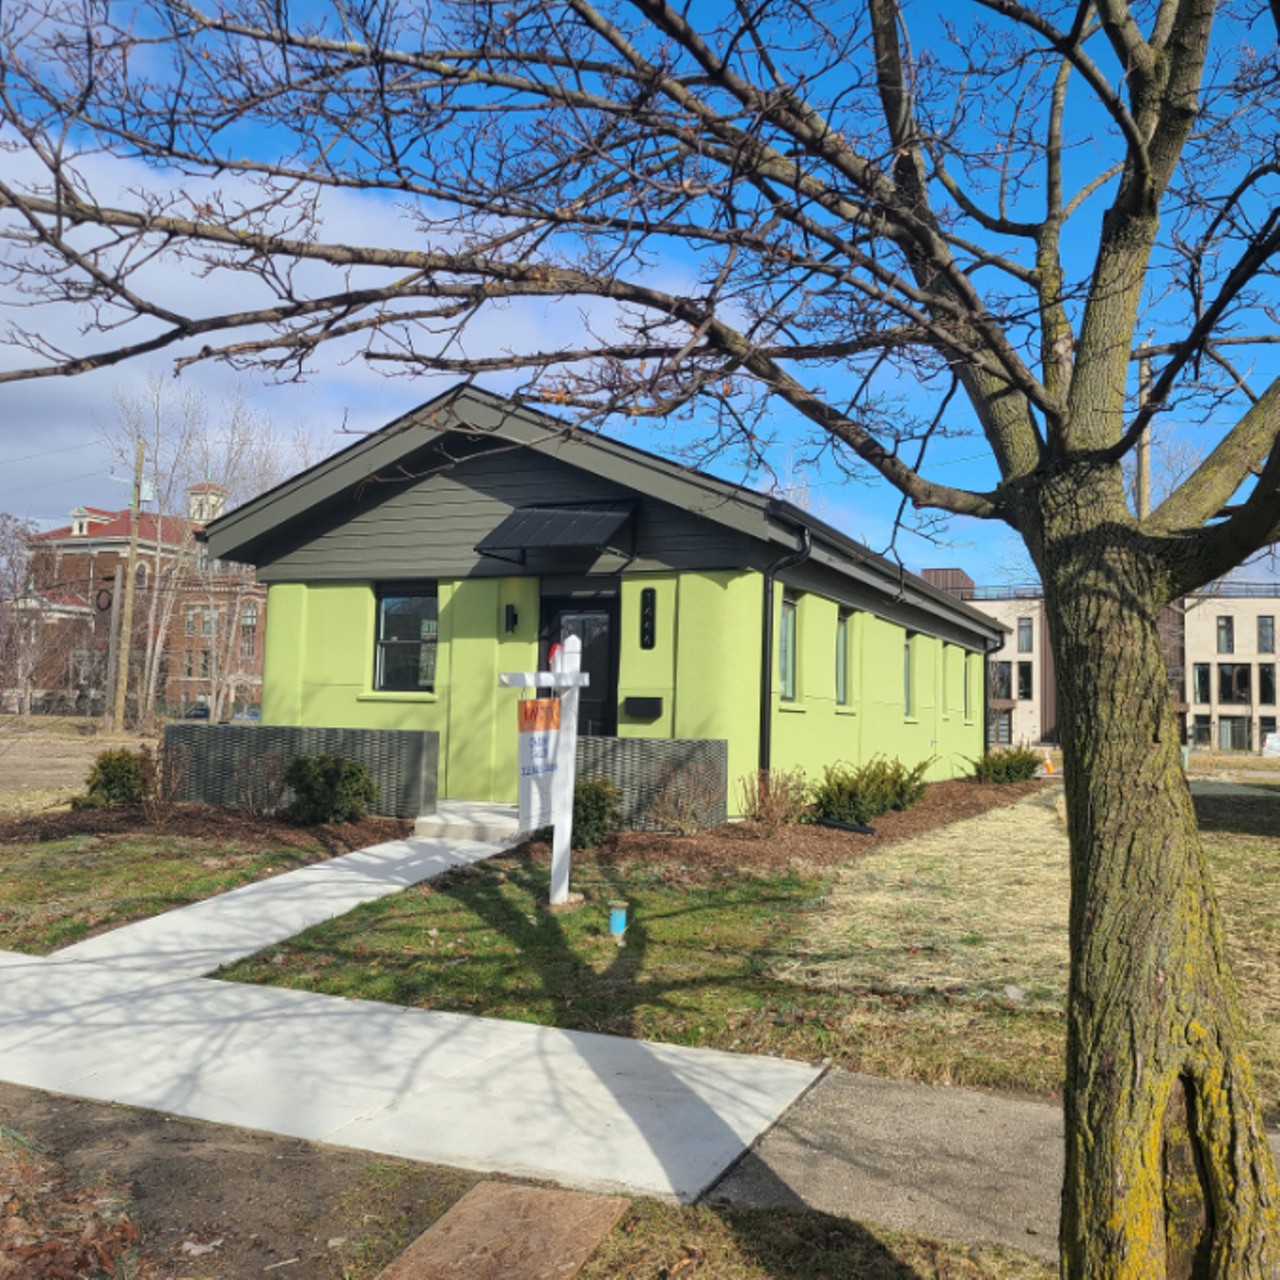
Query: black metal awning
{"points": [[560, 526]]}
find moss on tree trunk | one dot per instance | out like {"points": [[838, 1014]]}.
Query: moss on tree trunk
{"points": [[1169, 1174]]}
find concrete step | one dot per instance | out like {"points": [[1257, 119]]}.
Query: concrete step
{"points": [[470, 820], [500, 1232]]}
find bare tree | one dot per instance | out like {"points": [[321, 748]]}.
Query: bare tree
{"points": [[795, 208], [184, 441]]}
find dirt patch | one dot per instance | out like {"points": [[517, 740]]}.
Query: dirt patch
{"points": [[211, 1201], [202, 822], [743, 844], [36, 763]]}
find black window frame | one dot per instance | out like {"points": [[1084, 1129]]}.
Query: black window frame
{"points": [[383, 646], [1201, 683], [1267, 633], [1267, 684], [1000, 678], [1026, 682], [1235, 684], [1226, 634]]}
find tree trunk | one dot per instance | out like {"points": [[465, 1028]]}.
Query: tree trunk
{"points": [[1169, 1174]]}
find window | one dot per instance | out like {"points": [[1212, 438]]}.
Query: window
{"points": [[1200, 682], [207, 622], [1002, 680], [842, 660], [1024, 682], [1266, 633], [1000, 728], [1024, 635], [249, 630], [1267, 683], [967, 682], [1226, 635], [206, 664], [787, 651], [189, 663], [405, 660], [1200, 733], [1233, 682], [191, 622], [1266, 728], [1233, 733], [908, 676]]}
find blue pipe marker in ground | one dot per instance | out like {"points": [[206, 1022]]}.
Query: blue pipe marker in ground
{"points": [[617, 919]]}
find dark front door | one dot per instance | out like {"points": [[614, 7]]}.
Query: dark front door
{"points": [[595, 623]]}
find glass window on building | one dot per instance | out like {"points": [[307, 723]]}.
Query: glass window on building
{"points": [[1024, 635], [908, 676], [787, 651], [405, 658], [1267, 683], [1266, 729], [1200, 682], [1233, 733], [1266, 633], [1000, 728], [1002, 680], [842, 659], [1234, 683], [1201, 737], [1226, 635], [1024, 682]]}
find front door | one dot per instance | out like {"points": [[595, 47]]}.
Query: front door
{"points": [[595, 623]]}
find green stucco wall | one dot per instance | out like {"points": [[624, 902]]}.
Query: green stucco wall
{"points": [[704, 665]]}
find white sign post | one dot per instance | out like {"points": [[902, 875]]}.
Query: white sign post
{"points": [[547, 760]]}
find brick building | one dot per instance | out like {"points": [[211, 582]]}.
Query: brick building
{"points": [[197, 623]]}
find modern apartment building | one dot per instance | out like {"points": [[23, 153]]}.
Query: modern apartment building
{"points": [[1220, 649]]}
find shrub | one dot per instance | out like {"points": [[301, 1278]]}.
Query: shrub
{"points": [[848, 794], [116, 777], [1010, 764], [774, 798], [596, 812], [689, 798], [327, 789]]}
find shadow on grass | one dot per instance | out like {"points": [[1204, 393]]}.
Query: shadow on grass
{"points": [[751, 1244], [1249, 815]]}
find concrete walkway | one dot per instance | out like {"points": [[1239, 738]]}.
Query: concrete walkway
{"points": [[125, 1017]]}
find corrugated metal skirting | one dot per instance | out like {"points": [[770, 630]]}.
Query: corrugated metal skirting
{"points": [[241, 765], [664, 782]]}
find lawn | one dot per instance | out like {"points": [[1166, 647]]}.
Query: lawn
{"points": [[940, 958]]}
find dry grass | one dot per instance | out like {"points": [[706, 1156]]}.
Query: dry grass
{"points": [[660, 1240], [976, 911]]}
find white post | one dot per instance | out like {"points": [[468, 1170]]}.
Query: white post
{"points": [[567, 662]]}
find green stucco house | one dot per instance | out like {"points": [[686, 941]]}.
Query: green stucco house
{"points": [[463, 540]]}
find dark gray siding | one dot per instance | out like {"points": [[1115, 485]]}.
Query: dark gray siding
{"points": [[428, 526]]}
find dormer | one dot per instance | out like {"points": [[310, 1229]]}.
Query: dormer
{"points": [[84, 518]]}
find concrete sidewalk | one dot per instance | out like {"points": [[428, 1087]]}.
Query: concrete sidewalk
{"points": [[124, 1018]]}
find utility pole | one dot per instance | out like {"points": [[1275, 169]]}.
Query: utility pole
{"points": [[125, 644]]}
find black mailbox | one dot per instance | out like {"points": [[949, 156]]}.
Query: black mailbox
{"points": [[642, 708]]}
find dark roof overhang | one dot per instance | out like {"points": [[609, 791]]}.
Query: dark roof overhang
{"points": [[571, 526]]}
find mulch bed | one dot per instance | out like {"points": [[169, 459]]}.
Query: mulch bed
{"points": [[743, 844], [201, 822]]}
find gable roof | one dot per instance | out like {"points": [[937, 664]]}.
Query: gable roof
{"points": [[469, 412]]}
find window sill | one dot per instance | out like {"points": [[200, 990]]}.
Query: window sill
{"points": [[846, 711], [791, 706], [910, 719], [394, 695]]}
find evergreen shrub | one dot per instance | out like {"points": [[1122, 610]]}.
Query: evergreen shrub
{"points": [[116, 777], [327, 789], [1009, 764], [849, 794]]}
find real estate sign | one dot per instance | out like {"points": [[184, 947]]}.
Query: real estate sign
{"points": [[539, 724]]}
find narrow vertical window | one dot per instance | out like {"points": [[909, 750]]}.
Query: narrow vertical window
{"points": [[842, 660], [1266, 633], [1267, 683], [908, 676], [787, 650], [1024, 682], [1200, 677], [1024, 635], [1226, 635], [967, 683]]}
